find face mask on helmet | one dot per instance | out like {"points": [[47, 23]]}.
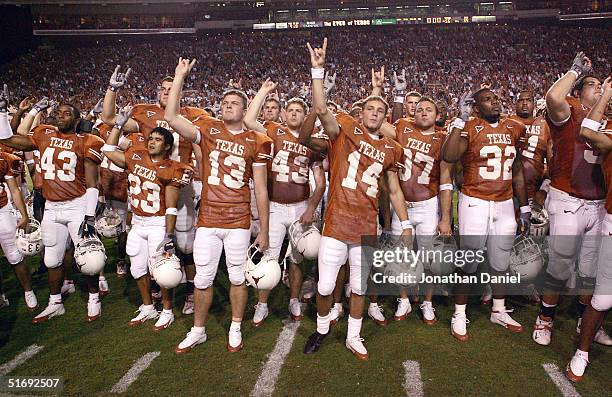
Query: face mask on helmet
{"points": [[109, 224], [90, 255], [265, 274], [540, 222], [305, 239], [526, 259], [166, 270], [29, 241]]}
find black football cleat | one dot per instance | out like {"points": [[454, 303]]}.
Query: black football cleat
{"points": [[314, 342]]}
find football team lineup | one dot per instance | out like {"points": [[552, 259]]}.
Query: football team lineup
{"points": [[274, 247]]}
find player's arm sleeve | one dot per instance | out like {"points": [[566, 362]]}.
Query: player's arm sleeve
{"points": [[264, 150], [93, 149], [182, 176]]}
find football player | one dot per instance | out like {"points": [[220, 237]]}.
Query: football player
{"points": [[10, 170], [146, 117], [492, 173], [114, 186], [69, 164], [231, 156], [576, 196], [288, 189], [359, 159], [154, 188], [597, 129], [427, 184], [535, 154]]}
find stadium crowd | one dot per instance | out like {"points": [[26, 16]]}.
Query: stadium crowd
{"points": [[441, 62]]}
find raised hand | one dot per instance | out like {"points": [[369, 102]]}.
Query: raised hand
{"points": [[25, 104], [123, 116], [268, 86], [399, 82], [184, 66], [582, 64], [43, 104], [4, 99], [317, 55], [329, 82], [98, 108], [378, 77], [118, 79], [466, 102], [607, 87]]}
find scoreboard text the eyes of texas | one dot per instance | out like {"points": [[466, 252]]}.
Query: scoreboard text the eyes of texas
{"points": [[374, 22]]}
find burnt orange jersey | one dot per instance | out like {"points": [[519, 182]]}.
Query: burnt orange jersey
{"points": [[113, 179], [487, 162], [420, 178], [62, 161], [533, 153], [18, 153], [288, 174], [575, 167], [227, 161], [148, 180], [358, 161], [10, 167], [607, 167], [152, 116]]}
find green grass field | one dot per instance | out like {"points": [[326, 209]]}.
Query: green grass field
{"points": [[93, 357]]}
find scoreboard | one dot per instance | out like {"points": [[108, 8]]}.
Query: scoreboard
{"points": [[424, 20]]}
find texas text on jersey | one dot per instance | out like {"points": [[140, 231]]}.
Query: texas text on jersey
{"points": [[420, 179], [226, 199], [288, 179], [533, 154], [487, 163], [69, 150], [360, 159], [146, 181]]}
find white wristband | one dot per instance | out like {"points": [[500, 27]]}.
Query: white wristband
{"points": [[458, 123], [91, 201], [171, 211], [407, 224], [446, 186], [525, 209], [573, 71], [591, 124], [398, 99], [545, 185], [5, 127], [317, 73], [33, 112], [109, 148]]}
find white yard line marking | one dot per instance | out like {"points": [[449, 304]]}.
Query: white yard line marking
{"points": [[130, 376], [559, 379], [271, 369], [413, 385], [21, 358]]}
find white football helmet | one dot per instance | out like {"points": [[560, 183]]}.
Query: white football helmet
{"points": [[29, 241], [90, 255], [526, 258], [166, 270], [263, 275], [540, 222], [305, 239], [109, 224], [442, 254]]}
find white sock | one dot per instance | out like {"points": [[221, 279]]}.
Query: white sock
{"points": [[292, 300], [55, 298], [235, 325], [198, 330], [323, 324], [582, 354], [262, 304], [29, 293], [68, 282], [101, 278], [148, 307], [547, 305], [94, 296], [499, 305], [354, 327], [338, 306], [373, 304], [405, 300], [460, 309]]}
